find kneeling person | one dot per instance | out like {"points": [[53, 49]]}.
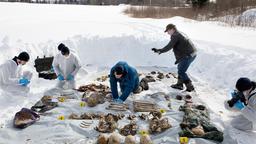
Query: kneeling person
{"points": [[128, 79], [12, 78], [244, 100]]}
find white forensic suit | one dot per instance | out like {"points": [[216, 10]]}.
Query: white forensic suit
{"points": [[10, 74], [65, 66]]}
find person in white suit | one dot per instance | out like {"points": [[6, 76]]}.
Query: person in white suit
{"points": [[246, 91], [66, 65], [12, 78]]}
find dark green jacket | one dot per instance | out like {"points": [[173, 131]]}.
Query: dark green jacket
{"points": [[182, 46]]}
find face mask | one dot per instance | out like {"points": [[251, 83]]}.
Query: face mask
{"points": [[66, 56]]}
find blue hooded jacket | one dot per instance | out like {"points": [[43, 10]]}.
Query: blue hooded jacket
{"points": [[129, 82]]}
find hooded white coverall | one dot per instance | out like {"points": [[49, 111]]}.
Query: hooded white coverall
{"points": [[65, 66], [246, 121], [10, 74]]}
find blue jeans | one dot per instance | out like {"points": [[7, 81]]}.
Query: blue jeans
{"points": [[183, 67]]}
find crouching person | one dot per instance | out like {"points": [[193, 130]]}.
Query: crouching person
{"points": [[128, 79], [66, 66], [244, 100], [12, 78]]}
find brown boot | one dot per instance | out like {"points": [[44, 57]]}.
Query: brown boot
{"points": [[189, 86], [178, 85]]}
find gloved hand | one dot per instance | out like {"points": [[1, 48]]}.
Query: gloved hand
{"points": [[118, 101], [52, 69], [70, 77], [239, 105], [155, 50], [60, 77], [24, 82], [236, 97]]}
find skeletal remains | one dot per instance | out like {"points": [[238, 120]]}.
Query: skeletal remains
{"points": [[94, 98], [145, 139], [131, 117], [90, 116], [103, 78], [113, 139], [44, 104], [94, 94], [187, 98], [130, 129], [144, 106], [94, 87], [156, 124], [108, 123], [85, 124], [143, 116], [129, 140], [117, 107]]}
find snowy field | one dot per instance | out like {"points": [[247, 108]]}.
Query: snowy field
{"points": [[103, 35]]}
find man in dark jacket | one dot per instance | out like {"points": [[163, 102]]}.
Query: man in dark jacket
{"points": [[185, 54], [128, 78]]}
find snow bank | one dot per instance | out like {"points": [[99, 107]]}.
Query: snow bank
{"points": [[248, 18]]}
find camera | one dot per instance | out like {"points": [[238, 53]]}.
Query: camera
{"points": [[236, 96]]}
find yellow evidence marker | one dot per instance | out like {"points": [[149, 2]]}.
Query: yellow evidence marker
{"points": [[82, 104], [183, 140], [162, 111], [143, 132], [61, 117], [61, 99]]}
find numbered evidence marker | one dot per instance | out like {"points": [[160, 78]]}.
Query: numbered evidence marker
{"points": [[82, 104], [162, 111], [143, 132], [61, 117], [183, 140], [61, 99]]}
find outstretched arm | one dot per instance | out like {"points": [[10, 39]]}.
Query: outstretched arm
{"points": [[170, 45]]}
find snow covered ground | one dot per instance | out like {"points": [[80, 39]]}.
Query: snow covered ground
{"points": [[102, 35]]}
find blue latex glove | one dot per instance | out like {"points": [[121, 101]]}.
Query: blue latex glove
{"points": [[118, 101], [60, 77], [239, 105], [70, 77], [24, 82], [52, 69]]}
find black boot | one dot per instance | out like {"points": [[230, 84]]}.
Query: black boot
{"points": [[178, 85], [189, 86], [144, 84], [138, 90]]}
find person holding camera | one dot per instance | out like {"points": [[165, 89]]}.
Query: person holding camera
{"points": [[185, 53], [12, 76], [244, 100]]}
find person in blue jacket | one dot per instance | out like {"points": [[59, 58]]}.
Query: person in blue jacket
{"points": [[128, 78]]}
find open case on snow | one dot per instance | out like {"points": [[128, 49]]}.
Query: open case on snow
{"points": [[44, 68]]}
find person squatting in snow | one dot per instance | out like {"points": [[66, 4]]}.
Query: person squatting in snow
{"points": [[66, 65], [185, 53], [12, 78], [128, 79], [243, 100]]}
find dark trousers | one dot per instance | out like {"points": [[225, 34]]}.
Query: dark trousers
{"points": [[183, 67]]}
